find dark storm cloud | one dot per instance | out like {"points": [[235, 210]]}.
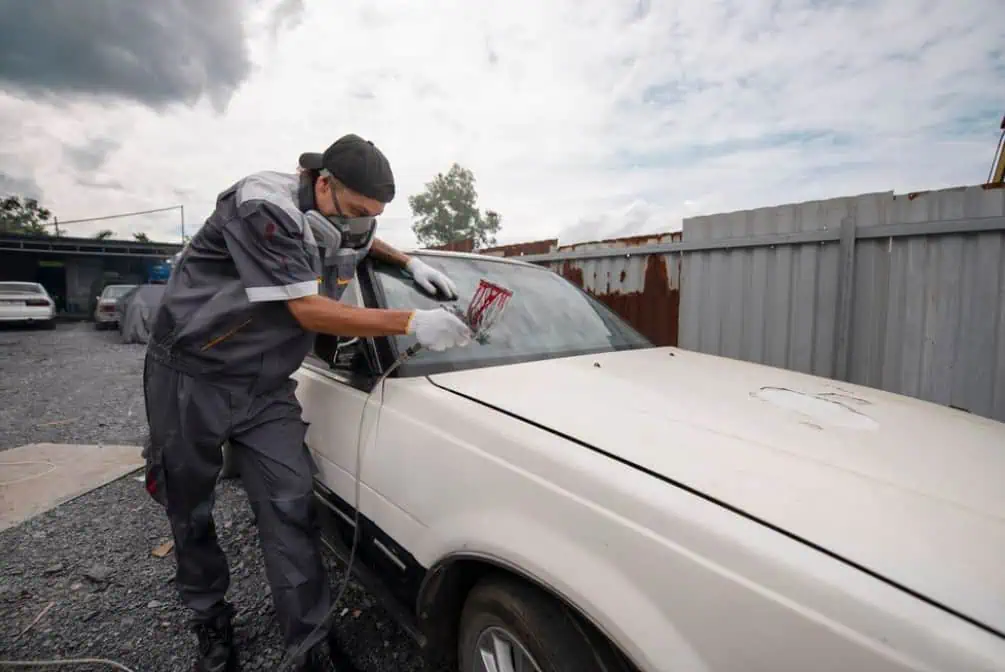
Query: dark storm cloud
{"points": [[155, 53], [92, 155], [20, 186]]}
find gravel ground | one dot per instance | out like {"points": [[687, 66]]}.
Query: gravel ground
{"points": [[88, 563], [69, 385]]}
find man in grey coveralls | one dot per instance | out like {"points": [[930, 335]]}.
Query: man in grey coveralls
{"points": [[238, 317]]}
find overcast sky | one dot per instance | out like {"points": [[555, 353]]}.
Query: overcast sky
{"points": [[579, 118]]}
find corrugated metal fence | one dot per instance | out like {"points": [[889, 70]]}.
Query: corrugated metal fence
{"points": [[905, 293], [642, 288]]}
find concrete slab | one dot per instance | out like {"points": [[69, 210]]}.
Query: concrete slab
{"points": [[40, 476]]}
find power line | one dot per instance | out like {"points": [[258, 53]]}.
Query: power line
{"points": [[124, 214], [387, 222], [56, 222]]}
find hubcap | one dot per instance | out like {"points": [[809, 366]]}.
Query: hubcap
{"points": [[499, 651]]}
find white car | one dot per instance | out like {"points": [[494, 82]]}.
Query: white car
{"points": [[26, 303], [569, 498], [106, 314]]}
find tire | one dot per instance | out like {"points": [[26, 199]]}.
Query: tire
{"points": [[555, 639]]}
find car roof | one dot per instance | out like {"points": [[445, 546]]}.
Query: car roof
{"points": [[29, 283]]}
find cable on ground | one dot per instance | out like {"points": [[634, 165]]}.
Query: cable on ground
{"points": [[59, 662]]}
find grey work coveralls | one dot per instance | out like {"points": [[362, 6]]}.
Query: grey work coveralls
{"points": [[221, 351]]}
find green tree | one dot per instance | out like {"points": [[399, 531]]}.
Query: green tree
{"points": [[141, 237], [104, 233], [24, 216], [447, 211], [493, 222]]}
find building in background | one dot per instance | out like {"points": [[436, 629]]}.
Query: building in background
{"points": [[74, 270]]}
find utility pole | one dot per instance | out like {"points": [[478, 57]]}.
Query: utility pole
{"points": [[997, 174], [55, 221], [182, 224]]}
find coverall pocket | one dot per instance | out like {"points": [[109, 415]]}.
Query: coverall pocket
{"points": [[154, 477]]}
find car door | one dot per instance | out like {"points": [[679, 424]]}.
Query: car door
{"points": [[332, 386]]}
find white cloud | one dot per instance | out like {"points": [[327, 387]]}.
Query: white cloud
{"points": [[589, 118]]}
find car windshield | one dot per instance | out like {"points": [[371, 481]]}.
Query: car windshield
{"points": [[547, 317], [116, 291], [19, 288]]}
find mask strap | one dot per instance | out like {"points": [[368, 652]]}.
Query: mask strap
{"points": [[331, 182]]}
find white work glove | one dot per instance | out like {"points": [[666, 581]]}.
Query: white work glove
{"points": [[439, 329], [431, 279]]}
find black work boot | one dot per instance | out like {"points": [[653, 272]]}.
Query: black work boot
{"points": [[217, 652]]}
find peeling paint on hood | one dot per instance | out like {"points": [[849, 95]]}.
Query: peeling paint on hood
{"points": [[818, 410]]}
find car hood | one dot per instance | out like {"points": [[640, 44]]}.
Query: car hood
{"points": [[910, 490]]}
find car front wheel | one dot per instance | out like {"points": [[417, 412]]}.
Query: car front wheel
{"points": [[508, 625]]}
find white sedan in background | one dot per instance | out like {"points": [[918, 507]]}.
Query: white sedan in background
{"points": [[26, 303], [570, 498], [106, 314]]}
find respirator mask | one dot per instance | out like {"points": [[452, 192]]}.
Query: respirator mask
{"points": [[343, 242], [356, 232], [338, 260]]}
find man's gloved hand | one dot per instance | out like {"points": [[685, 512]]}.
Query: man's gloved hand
{"points": [[439, 329], [431, 279]]}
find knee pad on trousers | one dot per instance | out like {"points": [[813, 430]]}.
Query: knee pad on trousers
{"points": [[290, 540], [294, 512]]}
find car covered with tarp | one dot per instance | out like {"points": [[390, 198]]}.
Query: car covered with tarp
{"points": [[137, 310]]}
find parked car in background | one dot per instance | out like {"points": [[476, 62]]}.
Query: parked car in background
{"points": [[137, 310], [26, 303], [106, 315], [122, 303], [571, 498]]}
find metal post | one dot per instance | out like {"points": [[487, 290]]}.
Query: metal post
{"points": [[846, 287], [182, 224]]}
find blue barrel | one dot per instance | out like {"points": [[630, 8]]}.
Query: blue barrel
{"points": [[160, 272]]}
